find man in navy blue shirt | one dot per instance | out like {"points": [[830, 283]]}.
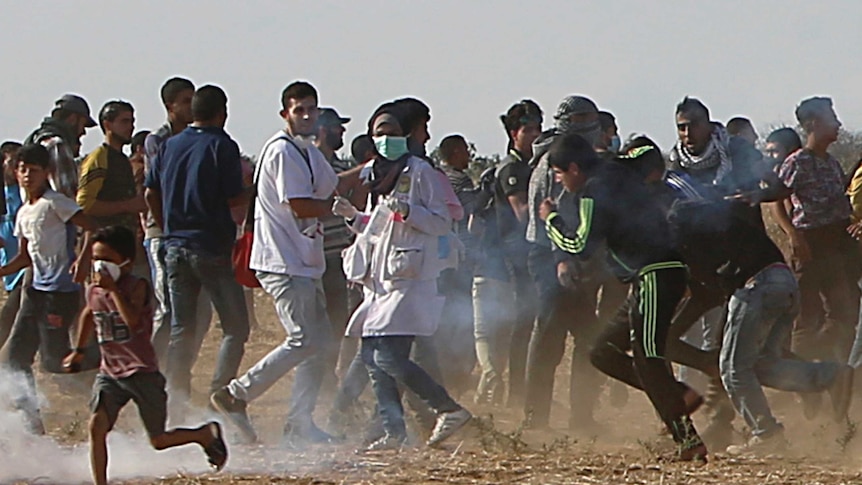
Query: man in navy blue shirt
{"points": [[191, 185]]}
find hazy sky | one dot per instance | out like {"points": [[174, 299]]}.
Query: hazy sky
{"points": [[469, 60]]}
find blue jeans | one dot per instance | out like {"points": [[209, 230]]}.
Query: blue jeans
{"points": [[162, 316], [758, 329], [301, 307], [388, 362], [188, 271]]}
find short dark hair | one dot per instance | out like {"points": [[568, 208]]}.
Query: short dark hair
{"points": [[208, 103], [449, 144], [410, 113], [173, 87], [521, 113], [138, 140], [573, 148], [34, 154], [606, 120], [809, 109], [119, 238], [787, 138], [737, 124], [112, 109], [643, 155], [9, 146], [692, 106], [361, 145], [297, 90]]}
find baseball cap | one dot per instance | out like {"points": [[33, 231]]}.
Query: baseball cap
{"points": [[330, 117], [75, 104], [575, 105]]}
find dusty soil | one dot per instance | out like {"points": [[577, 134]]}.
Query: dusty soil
{"points": [[628, 449]]}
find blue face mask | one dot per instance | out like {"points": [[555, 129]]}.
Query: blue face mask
{"points": [[615, 145], [391, 147]]}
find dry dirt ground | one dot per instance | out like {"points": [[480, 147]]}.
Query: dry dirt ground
{"points": [[628, 450]]}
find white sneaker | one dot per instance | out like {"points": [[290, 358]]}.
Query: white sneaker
{"points": [[447, 425]]}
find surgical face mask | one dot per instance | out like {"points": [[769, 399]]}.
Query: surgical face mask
{"points": [[391, 147], [615, 144], [109, 267]]}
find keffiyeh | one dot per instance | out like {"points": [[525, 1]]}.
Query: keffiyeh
{"points": [[715, 156]]}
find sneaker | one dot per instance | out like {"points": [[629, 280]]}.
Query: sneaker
{"points": [[234, 410], [447, 425], [385, 443], [217, 449], [297, 438], [841, 391], [760, 445]]}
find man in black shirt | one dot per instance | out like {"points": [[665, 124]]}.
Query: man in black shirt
{"points": [[615, 207], [523, 124]]}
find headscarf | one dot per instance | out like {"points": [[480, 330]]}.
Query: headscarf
{"points": [[715, 156]]}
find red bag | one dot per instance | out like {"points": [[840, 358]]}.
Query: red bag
{"points": [[241, 257]]}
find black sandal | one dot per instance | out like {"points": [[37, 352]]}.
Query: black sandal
{"points": [[217, 450]]}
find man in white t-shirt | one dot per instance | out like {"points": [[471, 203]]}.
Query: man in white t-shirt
{"points": [[295, 184]]}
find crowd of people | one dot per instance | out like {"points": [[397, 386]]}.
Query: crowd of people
{"points": [[397, 270]]}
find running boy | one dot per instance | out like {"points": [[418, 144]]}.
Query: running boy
{"points": [[615, 207], [120, 308]]}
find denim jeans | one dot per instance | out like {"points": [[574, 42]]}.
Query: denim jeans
{"points": [[388, 362], [301, 307], [493, 310], [189, 271], [758, 329], [162, 316]]}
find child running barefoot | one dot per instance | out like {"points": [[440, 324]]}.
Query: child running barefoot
{"points": [[119, 306]]}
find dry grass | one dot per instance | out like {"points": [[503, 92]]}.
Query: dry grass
{"points": [[495, 450]]}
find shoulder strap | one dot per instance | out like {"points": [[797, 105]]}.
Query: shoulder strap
{"points": [[248, 220], [305, 157]]}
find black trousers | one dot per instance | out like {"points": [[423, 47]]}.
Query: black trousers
{"points": [[561, 312], [651, 306]]}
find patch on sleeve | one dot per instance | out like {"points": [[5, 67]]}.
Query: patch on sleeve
{"points": [[513, 180]]}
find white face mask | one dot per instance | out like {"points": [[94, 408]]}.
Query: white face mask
{"points": [[111, 268]]}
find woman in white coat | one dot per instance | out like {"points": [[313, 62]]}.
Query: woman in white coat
{"points": [[404, 241]]}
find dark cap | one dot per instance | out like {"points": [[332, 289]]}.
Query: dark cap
{"points": [[575, 105], [75, 104], [330, 117]]}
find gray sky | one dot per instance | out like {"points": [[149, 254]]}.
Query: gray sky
{"points": [[469, 60]]}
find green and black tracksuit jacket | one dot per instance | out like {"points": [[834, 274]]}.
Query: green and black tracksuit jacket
{"points": [[617, 208]]}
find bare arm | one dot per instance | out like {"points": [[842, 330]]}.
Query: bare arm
{"points": [[520, 207], [130, 309], [20, 261], [798, 244], [305, 208], [154, 202]]}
